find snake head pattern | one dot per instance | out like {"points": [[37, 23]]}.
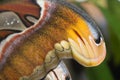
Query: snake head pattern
{"points": [[59, 30]]}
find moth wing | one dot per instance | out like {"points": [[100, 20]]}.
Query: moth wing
{"points": [[10, 21]]}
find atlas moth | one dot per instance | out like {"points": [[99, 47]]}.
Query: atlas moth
{"points": [[63, 31]]}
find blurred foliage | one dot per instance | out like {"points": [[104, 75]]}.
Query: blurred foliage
{"points": [[102, 3], [114, 7], [113, 17], [114, 35], [101, 72]]}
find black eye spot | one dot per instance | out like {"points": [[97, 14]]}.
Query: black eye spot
{"points": [[98, 40], [67, 78]]}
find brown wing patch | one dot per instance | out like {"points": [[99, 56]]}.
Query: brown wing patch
{"points": [[22, 9], [5, 33]]}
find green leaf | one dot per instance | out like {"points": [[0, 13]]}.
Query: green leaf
{"points": [[114, 27], [101, 72], [114, 7]]}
